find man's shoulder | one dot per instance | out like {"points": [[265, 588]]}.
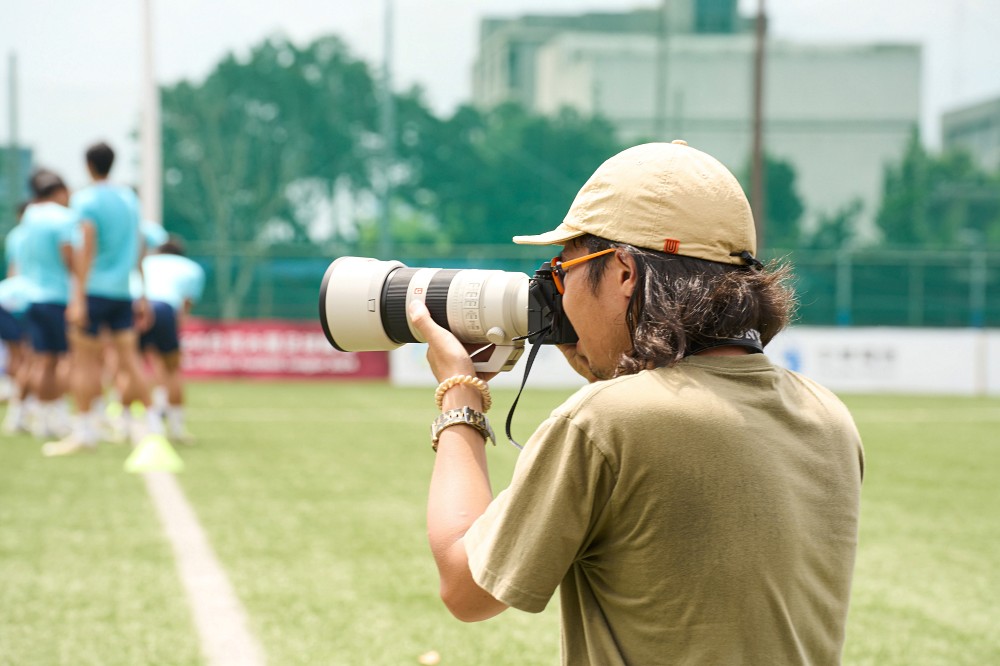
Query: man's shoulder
{"points": [[674, 387], [608, 394], [101, 193], [44, 215], [83, 196]]}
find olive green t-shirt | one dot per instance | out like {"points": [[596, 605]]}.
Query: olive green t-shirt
{"points": [[701, 514]]}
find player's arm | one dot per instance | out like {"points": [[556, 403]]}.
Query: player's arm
{"points": [[143, 313], [66, 253], [460, 486], [80, 263]]}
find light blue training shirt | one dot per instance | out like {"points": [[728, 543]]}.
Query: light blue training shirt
{"points": [[153, 234], [172, 279], [11, 244], [114, 212], [16, 294], [46, 229]]}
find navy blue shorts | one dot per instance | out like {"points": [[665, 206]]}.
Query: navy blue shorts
{"points": [[46, 324], [10, 327], [163, 334], [113, 313]]}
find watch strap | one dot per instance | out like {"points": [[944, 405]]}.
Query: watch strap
{"points": [[461, 416]]}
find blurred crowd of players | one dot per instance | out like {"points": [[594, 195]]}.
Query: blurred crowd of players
{"points": [[90, 316]]}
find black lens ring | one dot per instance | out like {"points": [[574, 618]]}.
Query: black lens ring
{"points": [[437, 296], [394, 319]]}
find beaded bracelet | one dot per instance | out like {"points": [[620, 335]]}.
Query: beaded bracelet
{"points": [[467, 380]]}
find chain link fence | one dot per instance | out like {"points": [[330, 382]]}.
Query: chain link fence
{"points": [[835, 288]]}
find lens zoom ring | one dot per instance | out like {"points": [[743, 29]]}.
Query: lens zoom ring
{"points": [[394, 319], [437, 297]]}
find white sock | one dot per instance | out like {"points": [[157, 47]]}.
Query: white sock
{"points": [[30, 409], [160, 402], [175, 418], [90, 425], [15, 409], [153, 422]]}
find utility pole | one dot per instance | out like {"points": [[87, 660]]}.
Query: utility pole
{"points": [[13, 149], [660, 87], [387, 128], [758, 186], [150, 159]]}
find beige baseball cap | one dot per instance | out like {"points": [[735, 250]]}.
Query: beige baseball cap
{"points": [[667, 197]]}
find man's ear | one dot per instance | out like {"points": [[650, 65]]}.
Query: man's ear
{"points": [[625, 272]]}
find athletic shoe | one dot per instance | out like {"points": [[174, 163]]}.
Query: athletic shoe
{"points": [[66, 446], [13, 423]]}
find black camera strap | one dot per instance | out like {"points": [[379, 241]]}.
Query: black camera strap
{"points": [[535, 347]]}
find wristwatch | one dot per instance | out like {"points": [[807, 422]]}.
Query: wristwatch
{"points": [[461, 415]]}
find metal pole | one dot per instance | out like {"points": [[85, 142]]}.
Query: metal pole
{"points": [[758, 188], [978, 277], [387, 129], [845, 282], [13, 149], [660, 90], [151, 162]]}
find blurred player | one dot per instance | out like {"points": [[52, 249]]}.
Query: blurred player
{"points": [[100, 299], [13, 303], [119, 406], [14, 292], [174, 284], [45, 257]]}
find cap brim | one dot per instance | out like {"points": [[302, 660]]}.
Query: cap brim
{"points": [[557, 236]]}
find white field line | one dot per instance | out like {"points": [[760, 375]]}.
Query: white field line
{"points": [[218, 615]]}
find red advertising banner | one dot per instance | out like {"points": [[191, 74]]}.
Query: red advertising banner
{"points": [[272, 349]]}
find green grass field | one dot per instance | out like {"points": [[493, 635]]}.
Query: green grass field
{"points": [[312, 495]]}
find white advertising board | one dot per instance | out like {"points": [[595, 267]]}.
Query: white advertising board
{"points": [[847, 360], [891, 360]]}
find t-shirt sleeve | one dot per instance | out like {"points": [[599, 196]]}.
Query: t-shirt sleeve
{"points": [[69, 229], [83, 203], [521, 548], [196, 283]]}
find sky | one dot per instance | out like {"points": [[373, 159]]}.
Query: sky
{"points": [[79, 62]]}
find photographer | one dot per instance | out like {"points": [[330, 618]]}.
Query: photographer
{"points": [[694, 503]]}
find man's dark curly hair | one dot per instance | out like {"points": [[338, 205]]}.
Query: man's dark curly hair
{"points": [[681, 303]]}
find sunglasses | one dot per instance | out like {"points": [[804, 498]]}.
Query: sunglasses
{"points": [[559, 267]]}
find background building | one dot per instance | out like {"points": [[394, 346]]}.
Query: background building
{"points": [[976, 130], [837, 113]]}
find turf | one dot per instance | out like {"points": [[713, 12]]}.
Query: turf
{"points": [[86, 575], [313, 497]]}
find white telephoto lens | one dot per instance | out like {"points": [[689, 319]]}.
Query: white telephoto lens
{"points": [[350, 304], [363, 303]]}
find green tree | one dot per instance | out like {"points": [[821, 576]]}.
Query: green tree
{"points": [[486, 176], [836, 230], [938, 201], [783, 207], [235, 144], [254, 153]]}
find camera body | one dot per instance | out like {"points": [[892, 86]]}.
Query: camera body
{"points": [[545, 311], [363, 307]]}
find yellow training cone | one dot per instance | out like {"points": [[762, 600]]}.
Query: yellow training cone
{"points": [[154, 454]]}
